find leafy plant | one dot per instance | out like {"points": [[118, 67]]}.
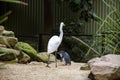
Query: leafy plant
{"points": [[83, 8], [14, 1], [107, 37], [109, 30], [4, 17], [112, 28]]}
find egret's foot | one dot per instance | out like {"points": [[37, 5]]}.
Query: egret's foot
{"points": [[48, 66], [56, 66]]}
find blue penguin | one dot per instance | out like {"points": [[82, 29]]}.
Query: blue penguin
{"points": [[66, 57]]}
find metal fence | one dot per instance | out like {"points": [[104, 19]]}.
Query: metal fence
{"points": [[27, 21]]}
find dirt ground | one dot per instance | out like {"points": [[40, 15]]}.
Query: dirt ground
{"points": [[39, 71]]}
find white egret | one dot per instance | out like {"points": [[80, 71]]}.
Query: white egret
{"points": [[54, 42]]}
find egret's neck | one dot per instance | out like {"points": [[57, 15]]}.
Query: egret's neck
{"points": [[61, 32]]}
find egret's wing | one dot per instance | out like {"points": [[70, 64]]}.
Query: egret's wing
{"points": [[53, 44]]}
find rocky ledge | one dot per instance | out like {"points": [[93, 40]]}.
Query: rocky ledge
{"points": [[105, 68]]}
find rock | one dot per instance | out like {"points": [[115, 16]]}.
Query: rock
{"points": [[85, 67], [8, 33], [2, 45], [111, 58], [23, 58], [92, 61], [44, 57], [7, 50], [105, 68], [7, 54], [34, 63], [8, 41], [28, 49], [1, 29], [12, 41]]}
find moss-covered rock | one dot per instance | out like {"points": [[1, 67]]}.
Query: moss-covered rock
{"points": [[43, 56], [8, 33], [2, 45], [26, 48], [6, 55], [12, 41], [23, 58], [1, 29], [8, 41], [15, 52]]}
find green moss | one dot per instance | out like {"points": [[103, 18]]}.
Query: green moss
{"points": [[26, 48]]}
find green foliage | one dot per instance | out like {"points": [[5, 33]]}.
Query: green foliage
{"points": [[82, 7], [112, 28], [86, 45], [14, 1], [107, 38], [77, 47], [109, 31], [4, 17]]}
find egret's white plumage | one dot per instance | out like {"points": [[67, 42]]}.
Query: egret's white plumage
{"points": [[55, 41]]}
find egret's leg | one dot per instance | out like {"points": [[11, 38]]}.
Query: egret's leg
{"points": [[65, 63], [48, 62], [56, 58]]}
